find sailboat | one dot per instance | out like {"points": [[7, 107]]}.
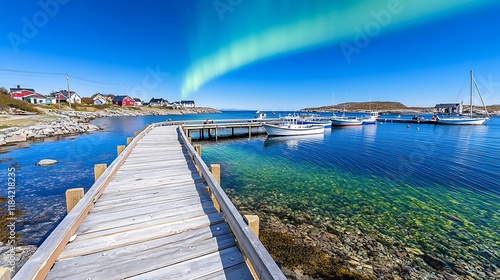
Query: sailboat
{"points": [[345, 120], [470, 119]]}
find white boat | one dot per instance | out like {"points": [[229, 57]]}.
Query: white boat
{"points": [[289, 127], [462, 120], [261, 116], [346, 121], [470, 119], [314, 119], [370, 117]]}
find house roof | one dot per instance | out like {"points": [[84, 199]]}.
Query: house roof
{"points": [[137, 100], [187, 102], [156, 100], [21, 93], [121, 97], [64, 93], [37, 95], [20, 88], [446, 105]]}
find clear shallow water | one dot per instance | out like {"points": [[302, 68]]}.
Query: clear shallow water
{"points": [[395, 183], [40, 190], [403, 186]]}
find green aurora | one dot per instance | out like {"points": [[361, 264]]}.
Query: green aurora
{"points": [[244, 32]]}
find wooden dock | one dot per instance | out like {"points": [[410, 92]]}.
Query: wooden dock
{"points": [[153, 214], [210, 129]]}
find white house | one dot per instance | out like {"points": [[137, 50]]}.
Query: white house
{"points": [[187, 104], [100, 101], [138, 102]]}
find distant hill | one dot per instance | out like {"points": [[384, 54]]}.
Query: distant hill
{"points": [[361, 106]]}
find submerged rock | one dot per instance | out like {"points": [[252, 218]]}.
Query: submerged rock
{"points": [[46, 162]]}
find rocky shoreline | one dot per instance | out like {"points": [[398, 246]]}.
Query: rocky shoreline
{"points": [[68, 122], [349, 253]]}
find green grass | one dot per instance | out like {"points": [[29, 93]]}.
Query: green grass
{"points": [[6, 102]]}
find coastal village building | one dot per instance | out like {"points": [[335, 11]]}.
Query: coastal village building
{"points": [[159, 102], [100, 101], [30, 95], [187, 104], [64, 96], [449, 108], [138, 102], [124, 101]]}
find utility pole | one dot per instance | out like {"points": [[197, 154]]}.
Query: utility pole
{"points": [[69, 92]]}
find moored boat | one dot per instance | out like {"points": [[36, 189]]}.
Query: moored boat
{"points": [[346, 121], [289, 127], [462, 120], [470, 119], [370, 117]]}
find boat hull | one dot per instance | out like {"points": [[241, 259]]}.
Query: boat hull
{"points": [[346, 122], [462, 121], [281, 130]]}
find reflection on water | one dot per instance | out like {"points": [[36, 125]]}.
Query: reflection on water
{"points": [[403, 185], [292, 142]]}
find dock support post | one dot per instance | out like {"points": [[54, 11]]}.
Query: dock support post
{"points": [[190, 140], [216, 134], [249, 132], [253, 223], [215, 170], [119, 149], [198, 149], [72, 198], [136, 133], [232, 131], [98, 170], [129, 140]]}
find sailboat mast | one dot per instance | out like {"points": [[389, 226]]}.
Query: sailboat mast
{"points": [[470, 113]]}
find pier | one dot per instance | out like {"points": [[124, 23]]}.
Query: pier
{"points": [[210, 129], [157, 212]]}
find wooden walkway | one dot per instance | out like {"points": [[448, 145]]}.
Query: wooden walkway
{"points": [[155, 219]]}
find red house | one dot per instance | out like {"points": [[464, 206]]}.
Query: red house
{"points": [[124, 101]]}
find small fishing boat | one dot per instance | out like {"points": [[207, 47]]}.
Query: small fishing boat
{"points": [[346, 121], [314, 119], [370, 117], [289, 127], [470, 119]]}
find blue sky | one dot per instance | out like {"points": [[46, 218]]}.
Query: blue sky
{"points": [[268, 55]]}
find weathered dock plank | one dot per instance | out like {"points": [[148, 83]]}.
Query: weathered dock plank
{"points": [[150, 216]]}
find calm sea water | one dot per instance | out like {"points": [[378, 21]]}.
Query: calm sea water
{"points": [[394, 182]]}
